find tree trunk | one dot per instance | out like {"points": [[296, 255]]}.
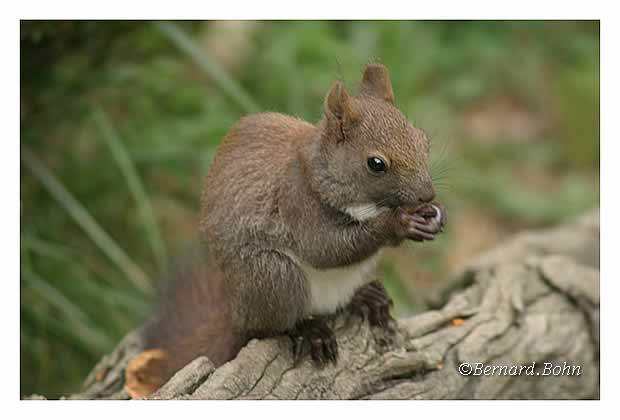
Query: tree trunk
{"points": [[531, 303]]}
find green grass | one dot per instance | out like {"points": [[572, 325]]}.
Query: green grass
{"points": [[119, 122]]}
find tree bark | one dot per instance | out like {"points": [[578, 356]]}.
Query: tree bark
{"points": [[531, 301]]}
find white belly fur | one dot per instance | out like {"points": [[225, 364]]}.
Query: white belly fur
{"points": [[334, 287]]}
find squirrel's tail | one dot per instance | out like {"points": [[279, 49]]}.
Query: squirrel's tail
{"points": [[192, 320]]}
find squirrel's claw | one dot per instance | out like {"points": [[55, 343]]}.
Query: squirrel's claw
{"points": [[297, 348], [314, 336]]}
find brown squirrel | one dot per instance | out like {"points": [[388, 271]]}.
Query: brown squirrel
{"points": [[294, 216]]}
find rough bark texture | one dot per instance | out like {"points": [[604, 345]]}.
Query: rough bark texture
{"points": [[534, 299]]}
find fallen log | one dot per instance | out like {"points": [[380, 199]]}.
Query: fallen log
{"points": [[518, 322]]}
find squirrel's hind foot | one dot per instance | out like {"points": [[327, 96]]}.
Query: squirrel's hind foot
{"points": [[314, 336]]}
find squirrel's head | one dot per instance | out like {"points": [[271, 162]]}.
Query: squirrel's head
{"points": [[371, 156]]}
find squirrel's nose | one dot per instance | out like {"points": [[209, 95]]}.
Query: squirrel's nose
{"points": [[427, 196]]}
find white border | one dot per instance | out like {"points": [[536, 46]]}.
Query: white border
{"points": [[316, 9]]}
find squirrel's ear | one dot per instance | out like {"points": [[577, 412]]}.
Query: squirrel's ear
{"points": [[376, 82], [338, 102], [338, 110]]}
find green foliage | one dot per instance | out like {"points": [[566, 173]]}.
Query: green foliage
{"points": [[119, 121]]}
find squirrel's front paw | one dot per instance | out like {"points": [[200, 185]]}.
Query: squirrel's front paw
{"points": [[313, 335], [373, 303], [422, 223]]}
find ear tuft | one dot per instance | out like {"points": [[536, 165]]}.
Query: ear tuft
{"points": [[376, 82], [338, 102]]}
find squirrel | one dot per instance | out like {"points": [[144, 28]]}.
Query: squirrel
{"points": [[293, 218]]}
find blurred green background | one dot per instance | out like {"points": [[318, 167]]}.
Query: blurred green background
{"points": [[119, 121]]}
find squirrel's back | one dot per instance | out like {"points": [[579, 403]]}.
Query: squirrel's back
{"points": [[266, 144]]}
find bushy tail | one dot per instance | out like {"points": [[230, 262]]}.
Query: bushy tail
{"points": [[192, 319]]}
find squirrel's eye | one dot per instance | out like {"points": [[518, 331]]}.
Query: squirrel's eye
{"points": [[376, 165]]}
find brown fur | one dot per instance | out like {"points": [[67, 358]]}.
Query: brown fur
{"points": [[279, 186]]}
